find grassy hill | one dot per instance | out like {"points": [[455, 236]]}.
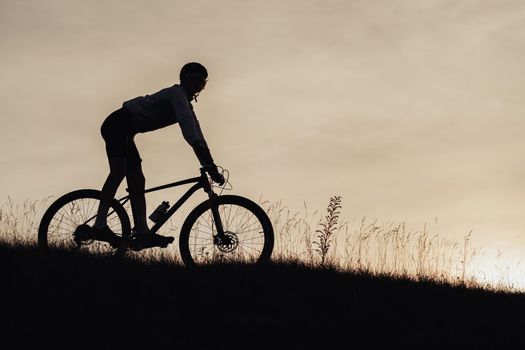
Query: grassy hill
{"points": [[66, 299]]}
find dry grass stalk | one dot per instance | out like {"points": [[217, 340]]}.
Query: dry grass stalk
{"points": [[329, 226]]}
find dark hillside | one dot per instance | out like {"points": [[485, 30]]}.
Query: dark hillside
{"points": [[63, 299]]}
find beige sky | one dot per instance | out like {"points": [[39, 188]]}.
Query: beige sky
{"points": [[409, 110]]}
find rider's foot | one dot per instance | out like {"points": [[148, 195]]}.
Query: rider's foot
{"points": [[105, 234], [149, 240]]}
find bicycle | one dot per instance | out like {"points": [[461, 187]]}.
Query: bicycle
{"points": [[222, 229]]}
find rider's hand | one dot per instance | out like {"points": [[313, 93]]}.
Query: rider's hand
{"points": [[215, 175]]}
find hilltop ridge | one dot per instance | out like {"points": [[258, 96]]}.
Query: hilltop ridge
{"points": [[66, 298]]}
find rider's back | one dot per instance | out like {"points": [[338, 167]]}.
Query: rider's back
{"points": [[160, 109]]}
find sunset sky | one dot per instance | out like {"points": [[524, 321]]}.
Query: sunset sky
{"points": [[409, 110]]}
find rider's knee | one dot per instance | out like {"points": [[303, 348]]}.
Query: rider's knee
{"points": [[117, 174], [117, 168], [137, 182], [141, 181]]}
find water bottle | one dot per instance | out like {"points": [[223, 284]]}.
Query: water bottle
{"points": [[159, 212]]}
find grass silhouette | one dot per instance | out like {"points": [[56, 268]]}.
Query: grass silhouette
{"points": [[300, 300], [383, 249], [63, 297]]}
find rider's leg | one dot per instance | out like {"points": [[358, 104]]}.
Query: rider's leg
{"points": [[136, 185], [117, 167], [115, 131]]}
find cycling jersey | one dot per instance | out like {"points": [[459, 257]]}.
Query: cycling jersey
{"points": [[166, 107]]}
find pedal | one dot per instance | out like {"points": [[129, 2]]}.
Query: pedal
{"points": [[138, 244]]}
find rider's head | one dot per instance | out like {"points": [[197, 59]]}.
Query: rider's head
{"points": [[193, 76]]}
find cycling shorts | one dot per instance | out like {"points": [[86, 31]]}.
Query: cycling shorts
{"points": [[117, 131]]}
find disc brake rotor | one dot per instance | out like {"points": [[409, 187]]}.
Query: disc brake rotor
{"points": [[228, 243]]}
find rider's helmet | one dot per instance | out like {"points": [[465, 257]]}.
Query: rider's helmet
{"points": [[193, 69]]}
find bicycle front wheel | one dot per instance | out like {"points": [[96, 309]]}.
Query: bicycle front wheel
{"points": [[63, 222], [247, 228]]}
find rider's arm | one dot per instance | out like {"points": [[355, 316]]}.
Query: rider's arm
{"points": [[191, 129], [199, 131]]}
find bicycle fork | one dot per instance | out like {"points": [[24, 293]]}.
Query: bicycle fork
{"points": [[220, 238], [215, 212]]}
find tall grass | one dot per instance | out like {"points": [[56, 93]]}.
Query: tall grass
{"points": [[379, 248], [320, 239], [18, 221]]}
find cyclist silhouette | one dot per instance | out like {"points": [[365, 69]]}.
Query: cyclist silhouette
{"points": [[143, 114]]}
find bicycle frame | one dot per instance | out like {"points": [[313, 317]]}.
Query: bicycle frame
{"points": [[200, 182]]}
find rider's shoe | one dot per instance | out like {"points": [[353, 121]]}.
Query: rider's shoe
{"points": [[105, 234], [150, 240]]}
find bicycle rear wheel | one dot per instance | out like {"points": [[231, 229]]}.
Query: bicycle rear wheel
{"points": [[247, 227], [59, 227]]}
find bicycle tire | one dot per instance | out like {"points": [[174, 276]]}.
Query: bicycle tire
{"points": [[190, 255], [68, 240]]}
